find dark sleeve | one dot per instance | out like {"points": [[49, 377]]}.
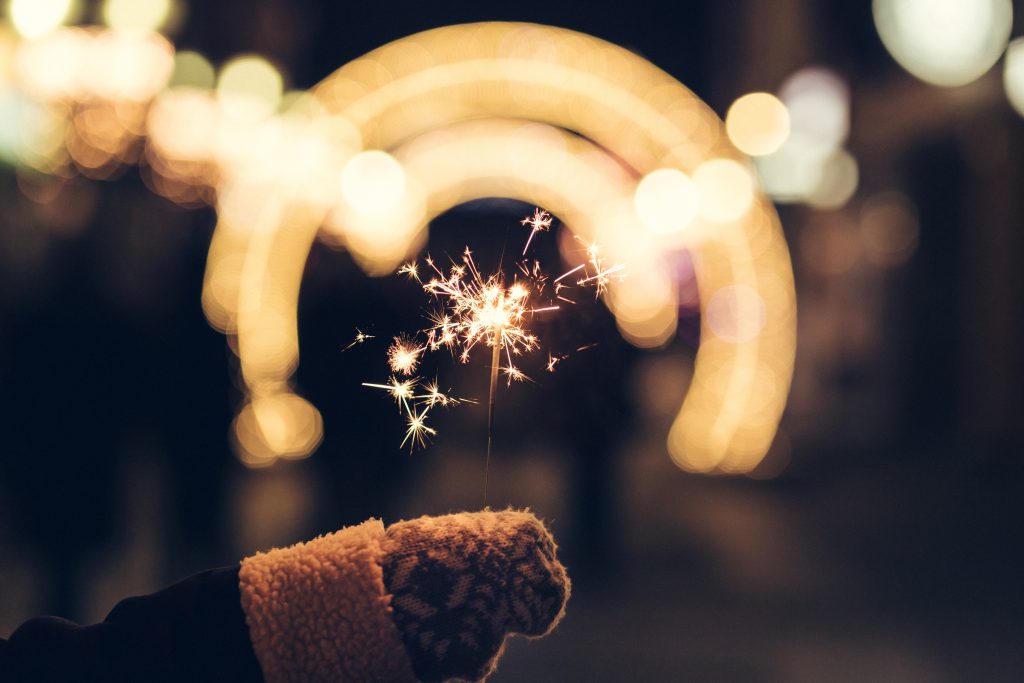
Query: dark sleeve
{"points": [[194, 631]]}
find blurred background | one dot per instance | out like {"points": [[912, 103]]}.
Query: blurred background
{"points": [[876, 540]]}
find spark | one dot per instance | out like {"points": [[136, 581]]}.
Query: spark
{"points": [[402, 391], [553, 360], [434, 396], [417, 430], [540, 221], [404, 356], [602, 275], [570, 272], [359, 339], [410, 269], [514, 374]]}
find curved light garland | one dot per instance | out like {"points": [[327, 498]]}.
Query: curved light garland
{"points": [[428, 100]]}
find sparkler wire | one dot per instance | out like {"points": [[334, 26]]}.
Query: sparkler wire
{"points": [[495, 360]]}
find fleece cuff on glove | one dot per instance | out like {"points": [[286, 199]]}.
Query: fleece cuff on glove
{"points": [[319, 611]]}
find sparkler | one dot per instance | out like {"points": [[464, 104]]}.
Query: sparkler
{"points": [[361, 337], [477, 310]]}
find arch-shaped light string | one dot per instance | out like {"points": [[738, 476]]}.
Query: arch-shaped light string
{"points": [[628, 107]]}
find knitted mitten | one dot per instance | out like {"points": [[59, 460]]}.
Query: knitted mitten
{"points": [[460, 583]]}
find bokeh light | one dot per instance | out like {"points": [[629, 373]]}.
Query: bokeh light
{"points": [[250, 87], [1013, 74], [36, 18], [725, 188], [31, 134], [837, 181], [192, 70], [944, 42], [138, 15], [830, 244], [277, 426], [811, 165], [643, 310], [129, 66], [76, 63], [736, 313], [51, 67], [818, 102], [757, 123], [666, 201], [889, 229], [373, 182], [794, 172]]}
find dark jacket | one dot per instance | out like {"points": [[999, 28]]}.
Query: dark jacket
{"points": [[193, 631]]}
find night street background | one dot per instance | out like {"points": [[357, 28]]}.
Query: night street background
{"points": [[879, 539]]}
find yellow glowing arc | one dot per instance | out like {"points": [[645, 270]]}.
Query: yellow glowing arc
{"points": [[401, 94]]}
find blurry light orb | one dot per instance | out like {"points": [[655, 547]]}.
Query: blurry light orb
{"points": [[830, 244], [795, 171], [129, 66], [36, 18], [889, 228], [644, 307], [837, 182], [300, 103], [141, 15], [15, 113], [31, 134], [725, 189], [944, 42], [373, 182], [1013, 75], [250, 85], [182, 125], [757, 123], [736, 313], [666, 201], [818, 102], [191, 69]]}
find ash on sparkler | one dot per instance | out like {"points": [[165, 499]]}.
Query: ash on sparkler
{"points": [[475, 310]]}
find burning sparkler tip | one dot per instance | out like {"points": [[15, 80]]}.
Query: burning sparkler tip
{"points": [[477, 310]]}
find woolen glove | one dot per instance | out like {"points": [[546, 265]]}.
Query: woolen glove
{"points": [[461, 583], [427, 599]]}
